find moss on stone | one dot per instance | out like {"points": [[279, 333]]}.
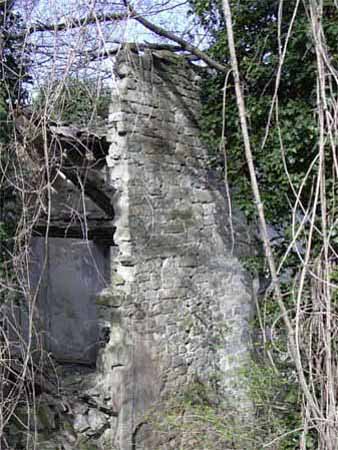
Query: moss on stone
{"points": [[85, 444], [45, 417], [112, 298]]}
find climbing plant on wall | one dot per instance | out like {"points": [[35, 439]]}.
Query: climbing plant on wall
{"points": [[13, 74], [13, 68], [257, 48]]}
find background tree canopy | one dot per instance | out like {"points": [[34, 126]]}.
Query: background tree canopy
{"points": [[288, 59], [81, 102], [290, 142], [15, 58], [13, 74]]}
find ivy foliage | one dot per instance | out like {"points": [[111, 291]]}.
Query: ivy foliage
{"points": [[13, 66], [285, 149], [13, 74], [289, 139]]}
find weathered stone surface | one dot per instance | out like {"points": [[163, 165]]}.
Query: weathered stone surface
{"points": [[178, 304], [175, 256]]}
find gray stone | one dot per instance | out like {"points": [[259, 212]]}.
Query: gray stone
{"points": [[109, 297], [178, 302], [80, 423], [96, 420]]}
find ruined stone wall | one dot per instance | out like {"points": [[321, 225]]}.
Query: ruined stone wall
{"points": [[180, 302]]}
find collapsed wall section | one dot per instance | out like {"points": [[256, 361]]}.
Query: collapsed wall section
{"points": [[180, 302]]}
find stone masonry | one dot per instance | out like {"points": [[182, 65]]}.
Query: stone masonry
{"points": [[178, 306]]}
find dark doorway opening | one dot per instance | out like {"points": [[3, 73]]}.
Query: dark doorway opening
{"points": [[69, 273]]}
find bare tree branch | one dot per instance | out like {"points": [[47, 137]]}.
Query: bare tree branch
{"points": [[71, 24], [92, 19], [182, 42]]}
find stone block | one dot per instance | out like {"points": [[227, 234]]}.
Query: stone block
{"points": [[117, 280], [97, 421], [189, 261], [80, 423], [110, 297], [173, 293]]}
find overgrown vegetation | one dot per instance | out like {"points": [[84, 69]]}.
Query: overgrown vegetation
{"points": [[13, 74], [293, 123], [81, 102], [201, 418], [287, 56]]}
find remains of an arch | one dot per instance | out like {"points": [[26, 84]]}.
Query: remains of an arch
{"points": [[179, 302]]}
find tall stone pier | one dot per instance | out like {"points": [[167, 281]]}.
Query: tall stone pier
{"points": [[169, 304], [179, 303]]}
